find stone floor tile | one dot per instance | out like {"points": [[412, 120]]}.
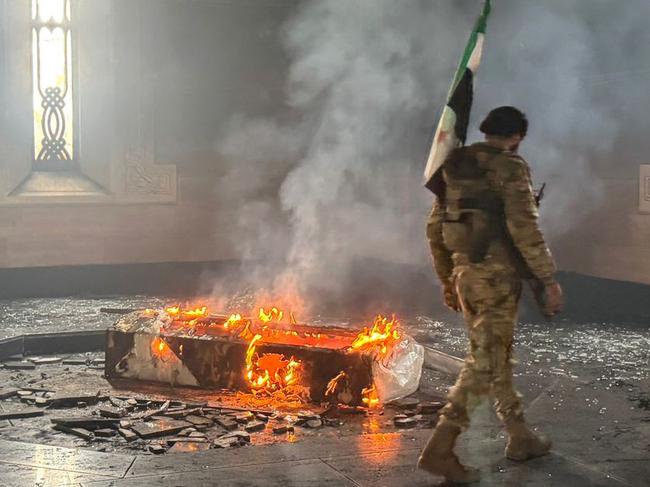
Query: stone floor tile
{"points": [[69, 459], [382, 470], [589, 425], [306, 473], [635, 472], [387, 469], [308, 449], [549, 471], [21, 476]]}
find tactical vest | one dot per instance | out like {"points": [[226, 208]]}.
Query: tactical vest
{"points": [[474, 215]]}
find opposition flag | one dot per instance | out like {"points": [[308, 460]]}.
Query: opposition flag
{"points": [[452, 128]]}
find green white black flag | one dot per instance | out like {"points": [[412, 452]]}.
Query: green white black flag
{"points": [[452, 128]]}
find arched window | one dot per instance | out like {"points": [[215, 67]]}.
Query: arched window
{"points": [[54, 123], [76, 124]]}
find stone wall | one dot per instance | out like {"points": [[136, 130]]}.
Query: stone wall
{"points": [[177, 72], [614, 241], [157, 81]]}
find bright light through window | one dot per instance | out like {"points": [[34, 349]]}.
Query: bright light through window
{"points": [[52, 79]]}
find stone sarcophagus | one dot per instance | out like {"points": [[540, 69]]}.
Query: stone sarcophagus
{"points": [[263, 356]]}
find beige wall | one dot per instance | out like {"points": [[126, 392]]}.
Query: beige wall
{"points": [[63, 235], [614, 241], [197, 63]]}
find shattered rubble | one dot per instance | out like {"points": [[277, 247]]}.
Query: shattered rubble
{"points": [[46, 402]]}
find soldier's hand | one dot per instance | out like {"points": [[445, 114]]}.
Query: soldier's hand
{"points": [[450, 297], [553, 299]]}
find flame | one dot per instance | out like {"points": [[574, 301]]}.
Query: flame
{"points": [[277, 326], [173, 310], [246, 333], [380, 338], [270, 372], [273, 375], [370, 397], [273, 314], [234, 319], [333, 384], [197, 312], [161, 351]]}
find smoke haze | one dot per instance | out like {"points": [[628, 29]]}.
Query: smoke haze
{"points": [[336, 177]]}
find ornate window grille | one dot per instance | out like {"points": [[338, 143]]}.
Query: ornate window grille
{"points": [[52, 81]]}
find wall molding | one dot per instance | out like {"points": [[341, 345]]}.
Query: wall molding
{"points": [[116, 139], [644, 188]]}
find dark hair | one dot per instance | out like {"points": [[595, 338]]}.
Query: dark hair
{"points": [[505, 122]]}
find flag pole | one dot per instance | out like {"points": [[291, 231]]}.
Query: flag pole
{"points": [[451, 130]]}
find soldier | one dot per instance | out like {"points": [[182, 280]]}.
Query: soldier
{"points": [[485, 239]]}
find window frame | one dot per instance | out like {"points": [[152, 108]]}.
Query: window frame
{"points": [[124, 169], [72, 164]]}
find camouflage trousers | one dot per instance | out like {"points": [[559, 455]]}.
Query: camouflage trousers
{"points": [[489, 296]]}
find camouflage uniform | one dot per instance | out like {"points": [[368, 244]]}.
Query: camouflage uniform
{"points": [[488, 282]]}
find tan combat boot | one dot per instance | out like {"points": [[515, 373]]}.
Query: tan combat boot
{"points": [[438, 456], [523, 444]]}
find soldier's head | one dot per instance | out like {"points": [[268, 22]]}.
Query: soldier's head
{"points": [[505, 126]]}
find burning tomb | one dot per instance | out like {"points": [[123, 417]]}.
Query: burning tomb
{"points": [[270, 356]]}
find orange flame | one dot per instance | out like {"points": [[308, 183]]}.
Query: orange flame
{"points": [[270, 372], [246, 333], [161, 351], [173, 310], [233, 320], [273, 377], [273, 314], [333, 384], [370, 397], [380, 338], [197, 312]]}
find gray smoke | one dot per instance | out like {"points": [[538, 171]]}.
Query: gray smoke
{"points": [[337, 176], [558, 62]]}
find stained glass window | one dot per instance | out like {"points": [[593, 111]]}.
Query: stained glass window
{"points": [[52, 80]]}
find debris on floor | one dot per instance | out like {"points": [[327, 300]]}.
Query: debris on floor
{"points": [[67, 396]]}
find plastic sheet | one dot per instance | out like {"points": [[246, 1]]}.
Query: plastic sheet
{"points": [[399, 376]]}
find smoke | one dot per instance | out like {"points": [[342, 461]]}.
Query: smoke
{"points": [[335, 176], [550, 59], [356, 65]]}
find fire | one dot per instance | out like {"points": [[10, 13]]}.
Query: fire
{"points": [[270, 372], [234, 319], [370, 397], [197, 312], [333, 384], [173, 310], [250, 352], [273, 314], [383, 335], [161, 350], [246, 333], [273, 377]]}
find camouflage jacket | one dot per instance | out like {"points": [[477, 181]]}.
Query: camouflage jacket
{"points": [[523, 249]]}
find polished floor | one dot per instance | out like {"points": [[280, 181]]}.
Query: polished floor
{"points": [[586, 385]]}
